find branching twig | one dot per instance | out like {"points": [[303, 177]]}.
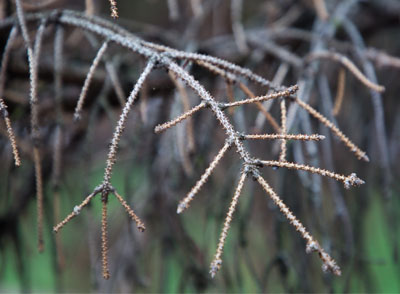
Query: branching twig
{"points": [[167, 58]]}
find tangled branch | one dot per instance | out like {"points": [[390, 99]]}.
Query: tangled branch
{"points": [[159, 56]]}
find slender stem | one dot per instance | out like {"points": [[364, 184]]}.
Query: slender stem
{"points": [[217, 261], [111, 158]]}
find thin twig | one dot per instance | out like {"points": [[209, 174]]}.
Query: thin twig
{"points": [[290, 91], [6, 57], [329, 264], [217, 261], [237, 26], [353, 148], [349, 65], [261, 107], [104, 240], [89, 77], [186, 201], [167, 125], [229, 94], [39, 197], [301, 137], [282, 155], [350, 180], [10, 132], [77, 209], [321, 10], [140, 225], [340, 92], [186, 107], [111, 158]]}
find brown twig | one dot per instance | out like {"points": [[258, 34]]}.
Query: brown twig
{"points": [[353, 148], [186, 201], [10, 133], [301, 137], [351, 180], [39, 197], [349, 65], [77, 209], [104, 240], [321, 10], [217, 261], [261, 107], [167, 125], [140, 225], [340, 92], [282, 155], [290, 91], [329, 264]]}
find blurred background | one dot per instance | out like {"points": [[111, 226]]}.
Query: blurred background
{"points": [[359, 227]]}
